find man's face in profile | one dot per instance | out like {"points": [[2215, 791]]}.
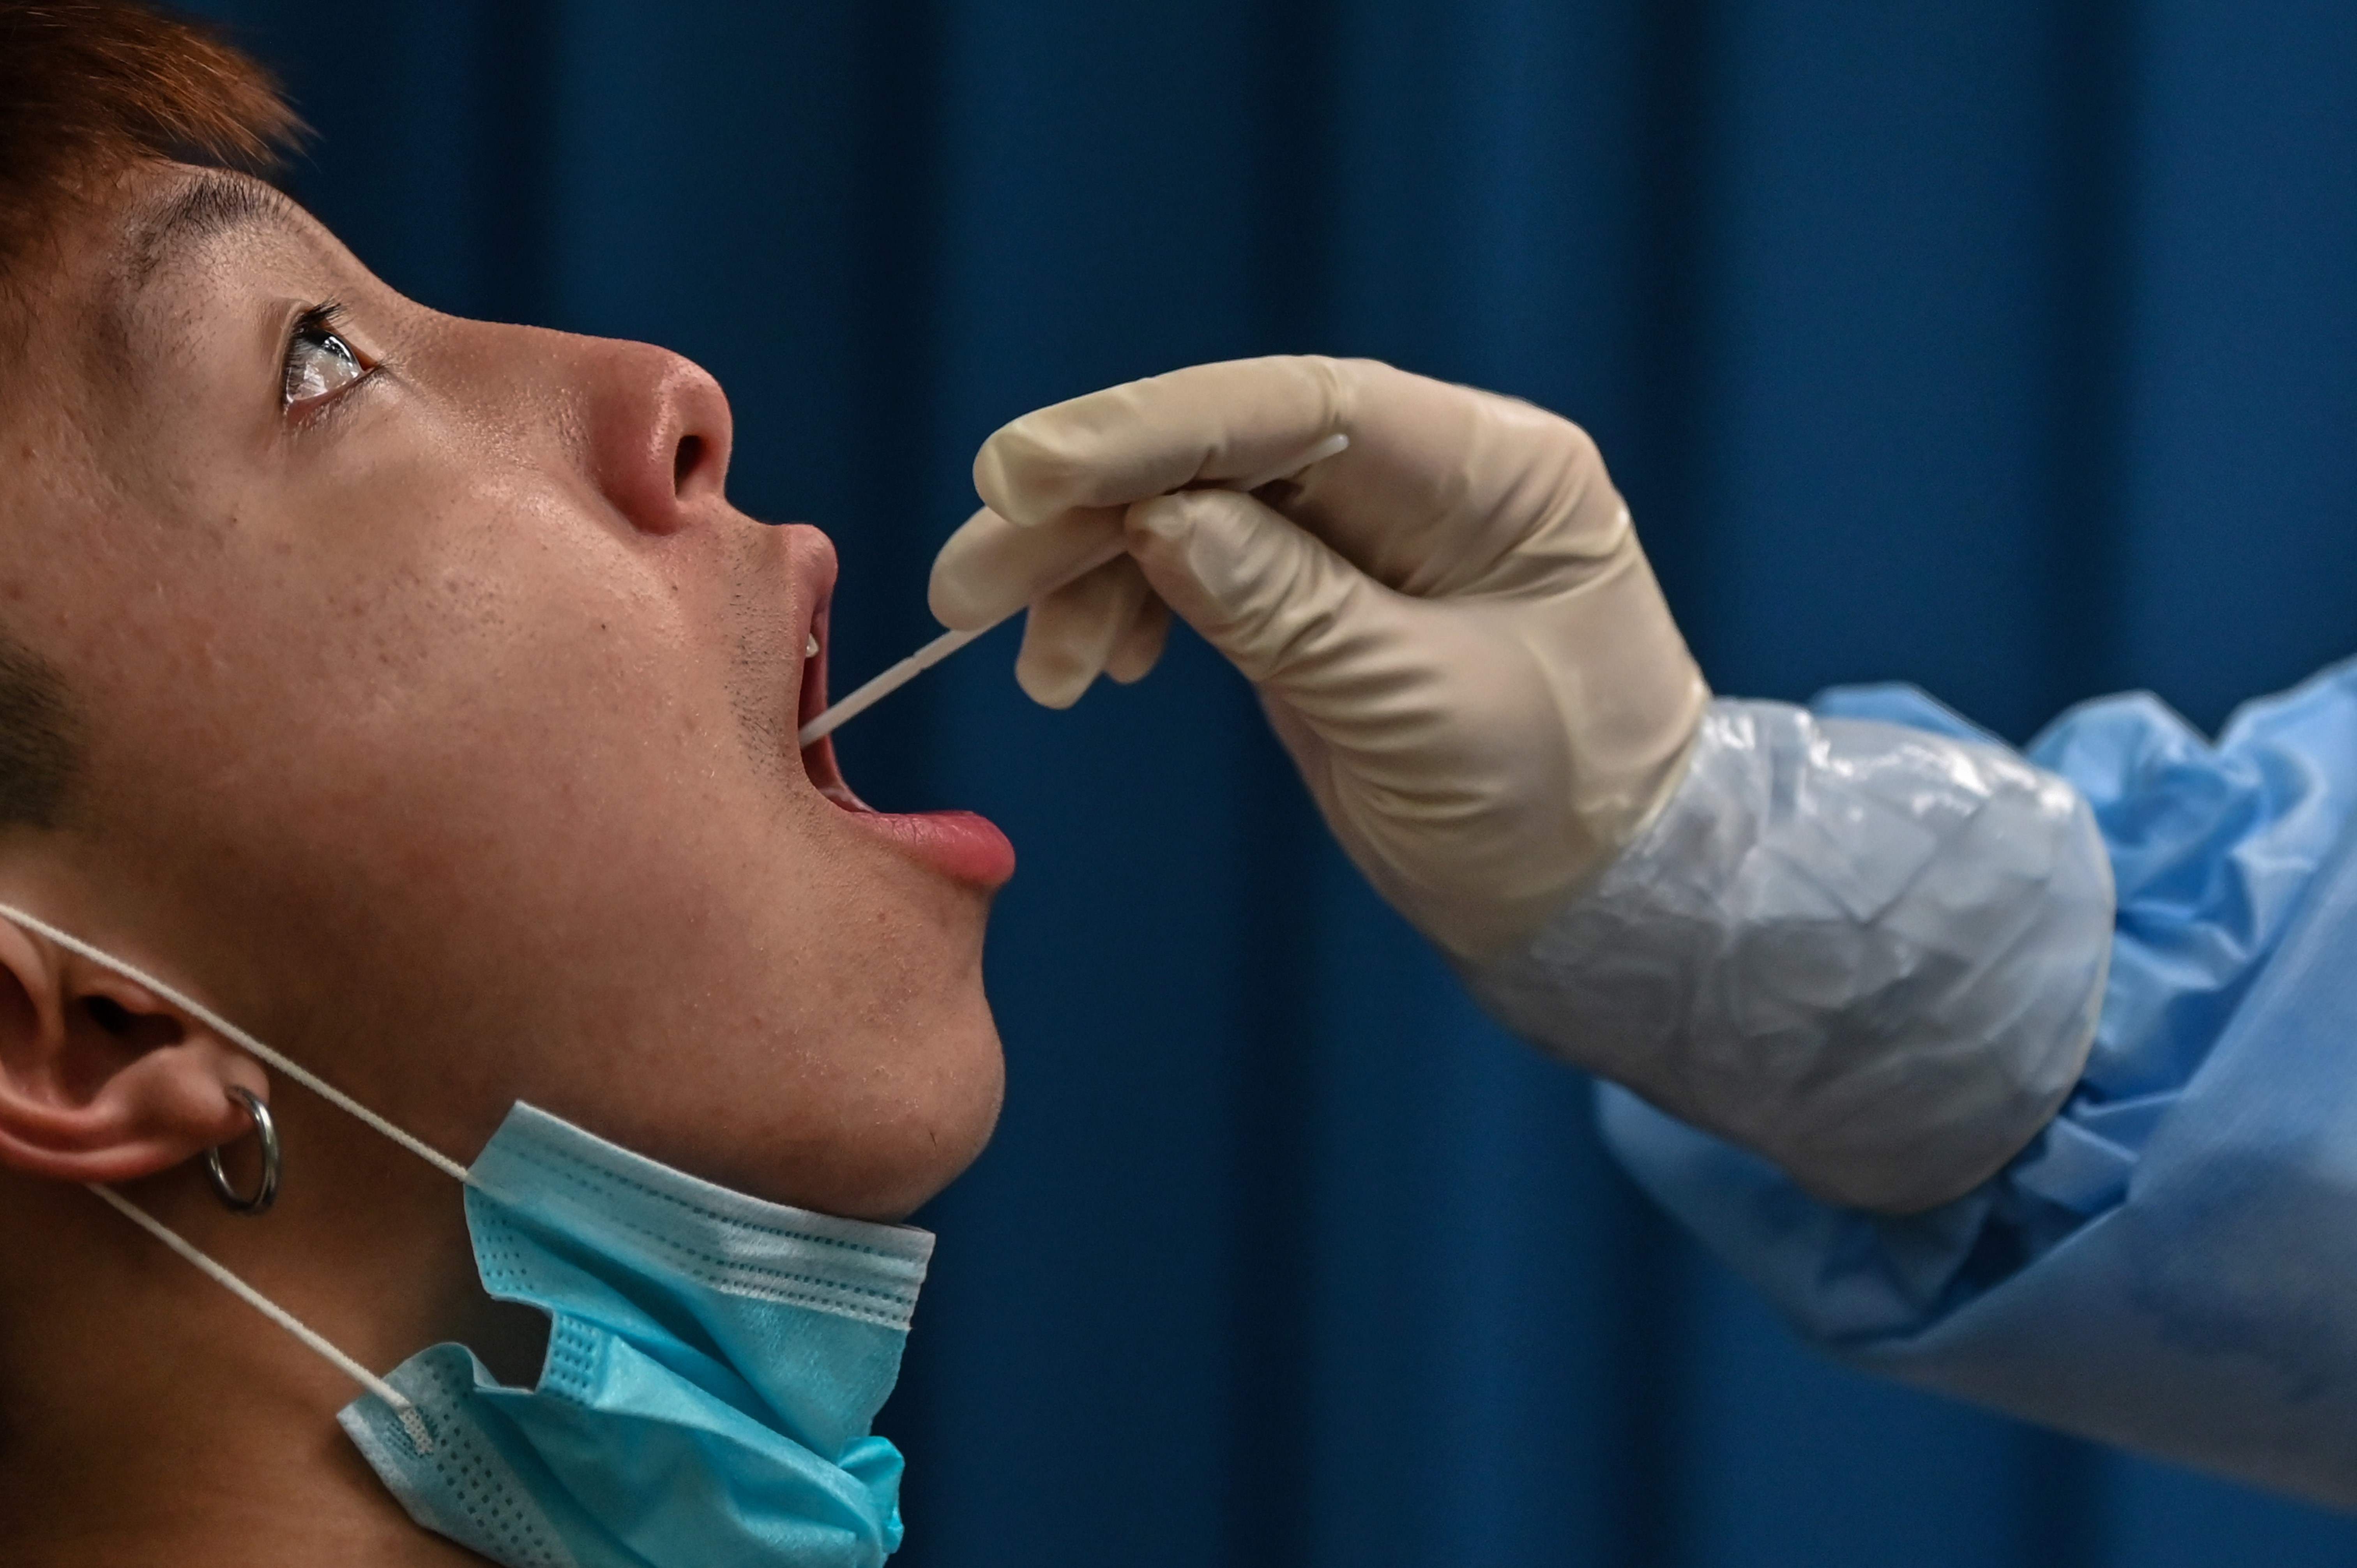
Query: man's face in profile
{"points": [[437, 701]]}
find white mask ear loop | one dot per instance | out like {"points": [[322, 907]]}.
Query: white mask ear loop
{"points": [[411, 1423], [405, 1413]]}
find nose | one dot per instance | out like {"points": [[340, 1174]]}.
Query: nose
{"points": [[658, 431]]}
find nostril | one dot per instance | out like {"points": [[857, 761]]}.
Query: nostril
{"points": [[686, 461], [655, 434]]}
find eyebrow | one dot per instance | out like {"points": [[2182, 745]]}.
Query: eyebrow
{"points": [[213, 203]]}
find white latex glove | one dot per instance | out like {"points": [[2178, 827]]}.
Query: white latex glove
{"points": [[1450, 624]]}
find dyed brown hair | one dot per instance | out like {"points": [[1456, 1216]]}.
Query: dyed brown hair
{"points": [[90, 86], [86, 89]]}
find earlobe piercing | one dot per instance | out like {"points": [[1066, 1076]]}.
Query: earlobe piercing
{"points": [[265, 1132]]}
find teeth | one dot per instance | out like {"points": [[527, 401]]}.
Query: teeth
{"points": [[810, 649]]}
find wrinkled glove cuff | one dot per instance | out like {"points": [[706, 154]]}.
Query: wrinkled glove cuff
{"points": [[1871, 954]]}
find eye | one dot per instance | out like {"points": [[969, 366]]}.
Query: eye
{"points": [[320, 363]]}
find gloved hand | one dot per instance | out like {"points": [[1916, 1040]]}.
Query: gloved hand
{"points": [[1450, 624]]}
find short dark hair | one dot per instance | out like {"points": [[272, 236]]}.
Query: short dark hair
{"points": [[89, 88], [40, 740]]}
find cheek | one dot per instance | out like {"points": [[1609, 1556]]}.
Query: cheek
{"points": [[415, 625], [469, 695], [457, 794], [496, 697]]}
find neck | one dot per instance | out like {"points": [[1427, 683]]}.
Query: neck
{"points": [[147, 1416]]}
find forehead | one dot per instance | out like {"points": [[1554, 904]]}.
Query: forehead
{"points": [[182, 211]]}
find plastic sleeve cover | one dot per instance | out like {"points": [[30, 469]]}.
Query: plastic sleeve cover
{"points": [[2168, 1264], [1870, 953]]}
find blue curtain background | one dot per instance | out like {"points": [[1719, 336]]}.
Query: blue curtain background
{"points": [[2009, 348]]}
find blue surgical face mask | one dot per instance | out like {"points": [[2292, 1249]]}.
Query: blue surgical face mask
{"points": [[714, 1361], [714, 1364]]}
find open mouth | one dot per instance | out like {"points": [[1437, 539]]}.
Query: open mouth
{"points": [[958, 844], [818, 758]]}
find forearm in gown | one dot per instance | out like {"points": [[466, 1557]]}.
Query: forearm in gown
{"points": [[2171, 1263]]}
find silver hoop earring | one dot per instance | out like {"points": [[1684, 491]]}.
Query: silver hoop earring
{"points": [[265, 1132]]}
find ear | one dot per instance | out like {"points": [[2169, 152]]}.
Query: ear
{"points": [[100, 1079]]}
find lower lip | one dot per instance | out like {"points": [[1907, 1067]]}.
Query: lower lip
{"points": [[958, 844]]}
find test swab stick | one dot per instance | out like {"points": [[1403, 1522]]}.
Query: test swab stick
{"points": [[898, 675]]}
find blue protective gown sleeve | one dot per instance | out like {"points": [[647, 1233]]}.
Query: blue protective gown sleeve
{"points": [[2171, 1263]]}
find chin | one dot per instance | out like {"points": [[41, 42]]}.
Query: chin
{"points": [[942, 1121]]}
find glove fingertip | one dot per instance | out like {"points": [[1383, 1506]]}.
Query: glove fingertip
{"points": [[953, 606], [969, 578], [1139, 648], [1054, 667], [1131, 673], [1024, 478], [1055, 686], [1167, 519]]}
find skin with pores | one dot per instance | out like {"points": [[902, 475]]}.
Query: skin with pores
{"points": [[438, 728]]}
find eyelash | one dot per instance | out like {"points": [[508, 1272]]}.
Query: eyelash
{"points": [[316, 325]]}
